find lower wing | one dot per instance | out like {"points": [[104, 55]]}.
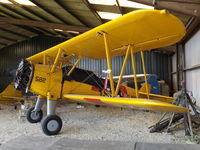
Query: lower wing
{"points": [[124, 102], [9, 99]]}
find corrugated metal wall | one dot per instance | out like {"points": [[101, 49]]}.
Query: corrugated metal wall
{"points": [[11, 55], [192, 58], [156, 63]]}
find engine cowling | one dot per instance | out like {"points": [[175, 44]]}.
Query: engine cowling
{"points": [[23, 76]]}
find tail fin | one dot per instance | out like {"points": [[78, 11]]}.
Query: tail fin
{"points": [[143, 88]]}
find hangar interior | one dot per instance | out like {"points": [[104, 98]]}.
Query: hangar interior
{"points": [[28, 27]]}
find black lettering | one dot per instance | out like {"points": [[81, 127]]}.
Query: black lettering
{"points": [[40, 79]]}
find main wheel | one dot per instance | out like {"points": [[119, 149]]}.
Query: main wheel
{"points": [[51, 124], [34, 116]]}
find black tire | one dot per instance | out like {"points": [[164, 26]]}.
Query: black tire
{"points": [[51, 125], [30, 117]]}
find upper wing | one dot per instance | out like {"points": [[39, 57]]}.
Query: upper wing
{"points": [[144, 29], [138, 102]]}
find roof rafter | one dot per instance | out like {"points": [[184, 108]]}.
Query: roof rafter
{"points": [[42, 24], [12, 32], [119, 7], [71, 13], [17, 12], [32, 12], [37, 31], [184, 8], [4, 44], [46, 10], [191, 28], [184, 1], [8, 38], [40, 16], [93, 10]]}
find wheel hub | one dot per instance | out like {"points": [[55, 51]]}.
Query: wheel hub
{"points": [[35, 115], [52, 125]]}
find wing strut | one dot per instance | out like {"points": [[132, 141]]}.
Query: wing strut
{"points": [[109, 65], [56, 60], [73, 67], [145, 75], [122, 70], [134, 71]]}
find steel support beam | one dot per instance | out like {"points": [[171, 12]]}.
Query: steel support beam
{"points": [[42, 24], [191, 9], [192, 27], [93, 10]]}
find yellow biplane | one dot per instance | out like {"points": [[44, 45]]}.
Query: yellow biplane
{"points": [[49, 75]]}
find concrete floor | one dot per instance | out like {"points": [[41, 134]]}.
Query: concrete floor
{"points": [[58, 143]]}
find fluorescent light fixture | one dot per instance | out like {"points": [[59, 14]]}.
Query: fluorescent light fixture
{"points": [[103, 2], [123, 3], [5, 1], [108, 15], [73, 32], [60, 30], [25, 2], [126, 3]]}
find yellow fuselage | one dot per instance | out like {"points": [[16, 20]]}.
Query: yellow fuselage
{"points": [[53, 87]]}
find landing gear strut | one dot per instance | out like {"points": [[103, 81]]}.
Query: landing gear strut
{"points": [[51, 124], [34, 114]]}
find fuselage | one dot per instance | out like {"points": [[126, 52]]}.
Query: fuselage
{"points": [[39, 79]]}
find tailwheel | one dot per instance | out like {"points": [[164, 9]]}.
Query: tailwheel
{"points": [[34, 116], [51, 124]]}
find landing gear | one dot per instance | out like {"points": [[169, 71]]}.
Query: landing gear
{"points": [[34, 116], [51, 125]]}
